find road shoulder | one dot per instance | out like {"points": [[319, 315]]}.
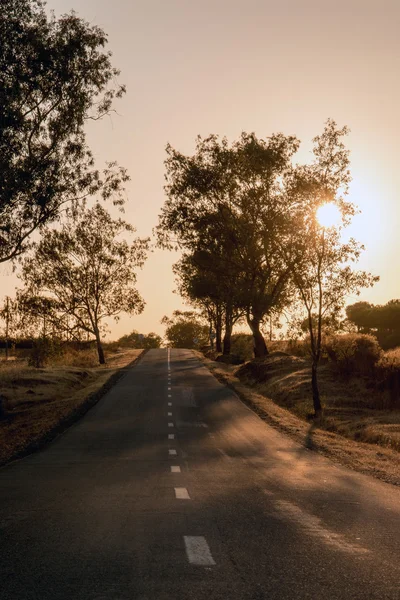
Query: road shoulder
{"points": [[370, 459], [66, 413]]}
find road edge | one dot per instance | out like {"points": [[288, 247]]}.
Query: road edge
{"points": [[75, 415], [306, 434]]}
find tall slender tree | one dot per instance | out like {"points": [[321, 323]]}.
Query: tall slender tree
{"points": [[319, 261]]}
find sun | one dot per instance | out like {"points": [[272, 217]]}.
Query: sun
{"points": [[328, 215]]}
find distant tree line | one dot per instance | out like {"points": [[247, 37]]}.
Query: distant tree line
{"points": [[383, 321]]}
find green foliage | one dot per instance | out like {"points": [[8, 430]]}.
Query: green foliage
{"points": [[55, 76], [137, 340], [381, 320], [353, 353], [185, 330]]}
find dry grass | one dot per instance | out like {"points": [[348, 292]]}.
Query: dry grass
{"points": [[37, 401], [357, 429]]}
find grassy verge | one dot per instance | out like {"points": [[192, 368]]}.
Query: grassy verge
{"points": [[41, 403], [288, 388]]}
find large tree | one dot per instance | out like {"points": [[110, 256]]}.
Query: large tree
{"points": [[54, 76], [318, 258], [225, 203], [88, 269]]}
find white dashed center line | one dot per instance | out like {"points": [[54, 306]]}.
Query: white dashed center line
{"points": [[170, 414], [169, 389], [197, 550], [172, 452], [175, 469], [171, 436], [181, 494], [169, 403], [170, 424], [169, 395]]}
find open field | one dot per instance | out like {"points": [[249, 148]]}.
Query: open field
{"points": [[40, 402], [357, 428]]}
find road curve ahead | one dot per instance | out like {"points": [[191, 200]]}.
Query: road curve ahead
{"points": [[171, 489]]}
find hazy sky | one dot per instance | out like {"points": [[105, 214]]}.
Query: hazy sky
{"points": [[225, 66]]}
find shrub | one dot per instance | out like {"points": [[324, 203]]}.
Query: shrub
{"points": [[353, 352], [86, 358], [388, 374], [298, 347], [44, 351], [242, 346]]}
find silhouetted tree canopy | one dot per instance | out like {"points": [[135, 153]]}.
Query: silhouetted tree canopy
{"points": [[225, 208], [185, 329], [138, 340], [381, 320], [54, 76]]}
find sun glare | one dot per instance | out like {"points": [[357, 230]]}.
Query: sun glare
{"points": [[328, 215]]}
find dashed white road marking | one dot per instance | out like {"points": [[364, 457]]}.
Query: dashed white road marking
{"points": [[170, 414], [169, 389], [170, 424], [169, 403], [175, 469], [171, 436], [197, 550], [172, 452], [169, 395], [181, 494]]}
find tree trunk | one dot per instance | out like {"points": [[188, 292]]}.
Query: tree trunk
{"points": [[7, 324], [100, 350], [218, 331], [210, 335], [260, 347], [315, 389], [227, 342], [228, 330]]}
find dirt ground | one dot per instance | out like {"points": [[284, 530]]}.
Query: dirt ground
{"points": [[357, 429], [39, 401]]}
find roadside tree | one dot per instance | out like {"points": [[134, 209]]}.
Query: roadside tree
{"points": [[54, 76], [88, 270], [138, 340], [226, 204], [185, 329], [320, 262]]}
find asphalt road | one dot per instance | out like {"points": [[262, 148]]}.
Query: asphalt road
{"points": [[171, 489]]}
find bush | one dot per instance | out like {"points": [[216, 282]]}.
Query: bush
{"points": [[44, 351], [298, 347], [353, 353], [86, 358], [388, 375], [242, 345]]}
